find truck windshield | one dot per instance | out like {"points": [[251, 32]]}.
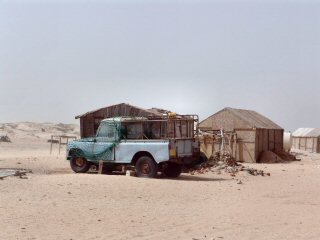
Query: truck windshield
{"points": [[107, 131]]}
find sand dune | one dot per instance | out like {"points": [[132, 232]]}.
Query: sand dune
{"points": [[41, 131]]}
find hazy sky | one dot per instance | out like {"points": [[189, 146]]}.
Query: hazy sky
{"points": [[63, 58]]}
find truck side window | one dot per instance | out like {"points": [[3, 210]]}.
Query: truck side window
{"points": [[152, 130], [134, 131], [155, 130]]}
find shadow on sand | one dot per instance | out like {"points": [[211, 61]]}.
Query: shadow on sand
{"points": [[194, 178], [191, 178]]}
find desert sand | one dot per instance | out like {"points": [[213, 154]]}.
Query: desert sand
{"points": [[55, 203]]}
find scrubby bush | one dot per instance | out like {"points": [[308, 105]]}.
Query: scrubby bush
{"points": [[4, 139]]}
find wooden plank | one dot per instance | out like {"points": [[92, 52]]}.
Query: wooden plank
{"points": [[100, 171], [59, 145], [51, 144], [313, 150], [299, 143]]}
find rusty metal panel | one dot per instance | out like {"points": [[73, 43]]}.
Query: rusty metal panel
{"points": [[279, 140], [178, 129], [184, 147], [88, 126], [82, 133], [171, 129], [259, 142], [184, 129], [271, 140]]}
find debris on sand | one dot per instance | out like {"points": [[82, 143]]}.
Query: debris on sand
{"points": [[53, 141], [276, 157], [5, 138], [226, 162], [21, 173], [286, 156]]}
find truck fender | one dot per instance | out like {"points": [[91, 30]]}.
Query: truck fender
{"points": [[140, 154]]}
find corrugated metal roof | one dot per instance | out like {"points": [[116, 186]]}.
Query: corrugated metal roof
{"points": [[307, 132], [249, 119], [124, 104], [254, 119]]}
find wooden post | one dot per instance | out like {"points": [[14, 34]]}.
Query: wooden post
{"points": [[212, 138], [100, 167], [59, 144], [235, 148], [51, 144], [312, 144], [305, 146], [274, 139]]}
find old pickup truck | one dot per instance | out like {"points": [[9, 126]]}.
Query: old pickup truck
{"points": [[149, 145]]}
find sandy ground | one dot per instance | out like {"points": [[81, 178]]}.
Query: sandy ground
{"points": [[54, 203]]}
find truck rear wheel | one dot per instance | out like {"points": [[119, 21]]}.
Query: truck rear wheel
{"points": [[146, 167], [172, 170], [79, 164]]}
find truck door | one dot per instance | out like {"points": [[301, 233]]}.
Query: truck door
{"points": [[105, 142]]}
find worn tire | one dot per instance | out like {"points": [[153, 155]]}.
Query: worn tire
{"points": [[80, 165], [172, 170], [146, 167]]}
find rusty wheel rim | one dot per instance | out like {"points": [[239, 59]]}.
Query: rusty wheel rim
{"points": [[79, 162], [145, 168]]}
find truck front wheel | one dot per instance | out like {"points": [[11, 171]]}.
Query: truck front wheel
{"points": [[79, 164], [146, 167], [172, 170]]}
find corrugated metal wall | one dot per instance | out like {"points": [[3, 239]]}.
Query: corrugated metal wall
{"points": [[308, 144], [87, 126], [246, 145], [268, 140], [250, 144]]}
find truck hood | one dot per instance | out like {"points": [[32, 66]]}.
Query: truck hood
{"points": [[76, 143]]}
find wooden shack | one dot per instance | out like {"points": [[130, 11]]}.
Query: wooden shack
{"points": [[306, 139], [253, 133], [89, 122]]}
